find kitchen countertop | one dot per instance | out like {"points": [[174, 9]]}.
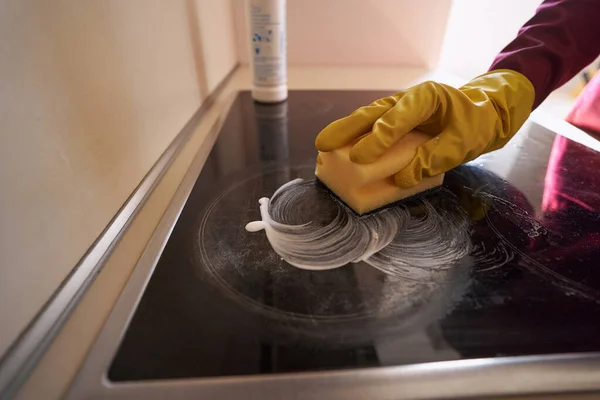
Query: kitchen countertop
{"points": [[71, 345]]}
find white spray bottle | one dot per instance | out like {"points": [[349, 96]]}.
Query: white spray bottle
{"points": [[267, 34]]}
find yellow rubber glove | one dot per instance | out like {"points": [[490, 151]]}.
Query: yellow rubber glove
{"points": [[463, 123]]}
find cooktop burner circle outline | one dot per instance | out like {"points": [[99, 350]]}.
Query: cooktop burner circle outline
{"points": [[409, 313]]}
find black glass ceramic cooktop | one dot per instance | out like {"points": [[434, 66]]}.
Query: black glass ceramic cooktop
{"points": [[221, 302]]}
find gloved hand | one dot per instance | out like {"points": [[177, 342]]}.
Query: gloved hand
{"points": [[463, 123]]}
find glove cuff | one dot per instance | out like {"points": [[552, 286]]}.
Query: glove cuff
{"points": [[510, 91]]}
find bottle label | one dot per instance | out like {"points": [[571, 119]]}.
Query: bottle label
{"points": [[268, 43]]}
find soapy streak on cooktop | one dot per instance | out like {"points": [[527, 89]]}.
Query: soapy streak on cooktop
{"points": [[221, 302]]}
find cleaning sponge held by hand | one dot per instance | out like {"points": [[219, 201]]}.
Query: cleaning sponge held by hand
{"points": [[462, 123], [367, 187]]}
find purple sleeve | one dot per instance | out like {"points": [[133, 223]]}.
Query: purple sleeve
{"points": [[561, 39]]}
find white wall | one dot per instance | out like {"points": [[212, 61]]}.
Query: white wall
{"points": [[91, 93], [358, 32], [478, 30]]}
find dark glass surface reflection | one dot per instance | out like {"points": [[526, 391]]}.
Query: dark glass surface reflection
{"points": [[221, 302]]}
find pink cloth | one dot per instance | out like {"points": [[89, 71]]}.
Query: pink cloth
{"points": [[585, 114]]}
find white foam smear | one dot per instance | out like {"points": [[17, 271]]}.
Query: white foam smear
{"points": [[391, 240]]}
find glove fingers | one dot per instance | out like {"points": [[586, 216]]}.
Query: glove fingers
{"points": [[342, 131], [413, 109]]}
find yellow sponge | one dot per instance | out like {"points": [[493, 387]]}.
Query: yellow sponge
{"points": [[367, 187]]}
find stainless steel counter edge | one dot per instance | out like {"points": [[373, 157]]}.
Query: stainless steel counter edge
{"points": [[91, 380], [503, 376], [24, 354]]}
